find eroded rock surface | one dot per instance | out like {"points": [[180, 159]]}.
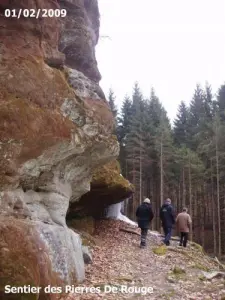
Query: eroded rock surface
{"points": [[55, 130], [79, 36]]}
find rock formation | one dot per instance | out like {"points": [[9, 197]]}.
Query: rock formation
{"points": [[55, 130], [108, 186]]}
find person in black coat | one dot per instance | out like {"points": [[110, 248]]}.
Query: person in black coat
{"points": [[144, 216], [168, 220]]}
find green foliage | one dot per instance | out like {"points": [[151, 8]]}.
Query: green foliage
{"points": [[221, 101], [181, 125], [112, 103], [178, 270], [161, 250], [185, 162], [201, 267]]}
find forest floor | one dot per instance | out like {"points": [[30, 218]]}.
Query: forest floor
{"points": [[173, 272]]}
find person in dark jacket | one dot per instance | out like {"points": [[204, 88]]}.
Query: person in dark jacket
{"points": [[168, 220], [144, 215]]}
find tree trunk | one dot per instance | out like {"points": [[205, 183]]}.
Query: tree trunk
{"points": [[203, 216], [126, 171], [213, 212], [133, 198], [161, 173], [140, 186], [218, 196], [151, 193], [190, 196], [184, 191], [195, 213], [179, 196]]}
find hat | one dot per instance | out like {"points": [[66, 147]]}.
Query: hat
{"points": [[147, 200]]}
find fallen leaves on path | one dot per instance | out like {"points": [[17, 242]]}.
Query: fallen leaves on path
{"points": [[119, 262]]}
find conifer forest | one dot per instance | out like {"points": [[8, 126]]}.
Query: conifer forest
{"points": [[183, 160]]}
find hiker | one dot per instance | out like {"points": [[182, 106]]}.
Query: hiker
{"points": [[144, 215], [183, 222], [168, 220]]}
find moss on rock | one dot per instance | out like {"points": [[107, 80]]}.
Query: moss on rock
{"points": [[85, 224], [178, 270], [23, 259], [201, 267], [161, 250], [197, 247], [169, 295], [109, 175]]}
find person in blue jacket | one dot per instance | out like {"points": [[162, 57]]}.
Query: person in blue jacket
{"points": [[168, 220], [144, 216]]}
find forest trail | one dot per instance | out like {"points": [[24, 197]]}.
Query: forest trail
{"points": [[172, 272]]}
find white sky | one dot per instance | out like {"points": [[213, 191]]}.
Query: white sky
{"points": [[168, 44]]}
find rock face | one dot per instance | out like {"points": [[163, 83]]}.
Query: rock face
{"points": [[79, 35], [55, 130]]}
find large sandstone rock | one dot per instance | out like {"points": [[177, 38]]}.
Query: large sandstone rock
{"points": [[54, 132], [79, 35]]}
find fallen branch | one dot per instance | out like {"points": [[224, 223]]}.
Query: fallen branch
{"points": [[129, 231], [173, 238], [219, 263], [212, 275]]}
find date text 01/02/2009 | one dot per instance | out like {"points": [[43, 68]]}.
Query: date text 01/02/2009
{"points": [[35, 13]]}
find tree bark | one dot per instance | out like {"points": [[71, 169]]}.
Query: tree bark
{"points": [[184, 190], [213, 210], [140, 187], [161, 173], [190, 195], [218, 195]]}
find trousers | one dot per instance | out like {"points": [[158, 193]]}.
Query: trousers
{"points": [[183, 239], [144, 232], [168, 233]]}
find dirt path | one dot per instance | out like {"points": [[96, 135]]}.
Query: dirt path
{"points": [[176, 274]]}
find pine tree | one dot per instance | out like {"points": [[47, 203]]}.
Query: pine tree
{"points": [[213, 147], [196, 116], [186, 163], [124, 119], [123, 128], [208, 103], [137, 97], [135, 146], [217, 134], [221, 101], [164, 148], [181, 125], [112, 105], [156, 111]]}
